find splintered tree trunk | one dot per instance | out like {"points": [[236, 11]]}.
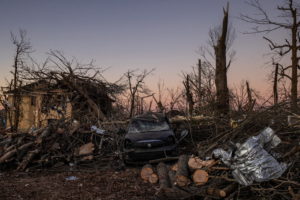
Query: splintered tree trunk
{"points": [[295, 59], [199, 82], [182, 173], [132, 102], [221, 69], [251, 101], [189, 95], [275, 90]]}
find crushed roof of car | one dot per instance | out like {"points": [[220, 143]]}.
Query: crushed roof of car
{"points": [[150, 116]]}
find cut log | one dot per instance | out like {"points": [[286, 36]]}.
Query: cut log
{"points": [[90, 157], [222, 192], [11, 153], [216, 192], [146, 172], [174, 167], [86, 149], [60, 130], [163, 176], [44, 134], [182, 173], [172, 177], [196, 163], [209, 163], [230, 188], [153, 178], [10, 148], [200, 177], [27, 159]]}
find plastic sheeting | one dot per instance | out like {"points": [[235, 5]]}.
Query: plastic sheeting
{"points": [[251, 161], [97, 130]]}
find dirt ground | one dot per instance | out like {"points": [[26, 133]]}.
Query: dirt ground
{"points": [[98, 185]]}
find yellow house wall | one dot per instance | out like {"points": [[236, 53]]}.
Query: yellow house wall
{"points": [[27, 117], [31, 115]]}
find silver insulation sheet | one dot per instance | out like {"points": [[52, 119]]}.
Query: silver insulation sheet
{"points": [[251, 161]]}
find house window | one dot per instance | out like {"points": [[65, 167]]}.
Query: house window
{"points": [[33, 100]]}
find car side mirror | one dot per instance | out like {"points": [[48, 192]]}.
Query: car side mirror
{"points": [[183, 134]]}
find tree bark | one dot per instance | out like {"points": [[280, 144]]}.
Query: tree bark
{"points": [[182, 173], [275, 90], [221, 69], [189, 95], [295, 59], [163, 176]]}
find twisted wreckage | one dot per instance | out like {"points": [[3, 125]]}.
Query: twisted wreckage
{"points": [[44, 101], [49, 137]]}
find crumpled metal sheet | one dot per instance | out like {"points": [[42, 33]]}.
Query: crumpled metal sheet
{"points": [[251, 161]]}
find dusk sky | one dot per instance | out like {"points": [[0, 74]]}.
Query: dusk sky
{"points": [[134, 34]]}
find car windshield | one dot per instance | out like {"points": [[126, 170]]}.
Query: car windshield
{"points": [[139, 126]]}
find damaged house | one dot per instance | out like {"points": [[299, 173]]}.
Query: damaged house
{"points": [[43, 101]]}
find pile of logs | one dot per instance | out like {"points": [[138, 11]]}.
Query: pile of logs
{"points": [[61, 144], [213, 180], [187, 178]]}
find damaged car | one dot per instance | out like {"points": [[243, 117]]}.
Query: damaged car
{"points": [[150, 136]]}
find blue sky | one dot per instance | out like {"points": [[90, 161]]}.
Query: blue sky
{"points": [[133, 34]]}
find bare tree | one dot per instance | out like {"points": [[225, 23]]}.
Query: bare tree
{"points": [[287, 19], [175, 97], [221, 56], [251, 100], [160, 101], [189, 94], [22, 49], [219, 42], [202, 86], [135, 84], [79, 79], [275, 84], [244, 98]]}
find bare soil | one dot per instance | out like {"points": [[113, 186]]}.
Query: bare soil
{"points": [[96, 185]]}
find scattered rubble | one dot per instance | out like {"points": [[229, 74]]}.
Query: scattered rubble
{"points": [[59, 144]]}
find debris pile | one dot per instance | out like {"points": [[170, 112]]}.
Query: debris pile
{"points": [[187, 178], [58, 145], [247, 161]]}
